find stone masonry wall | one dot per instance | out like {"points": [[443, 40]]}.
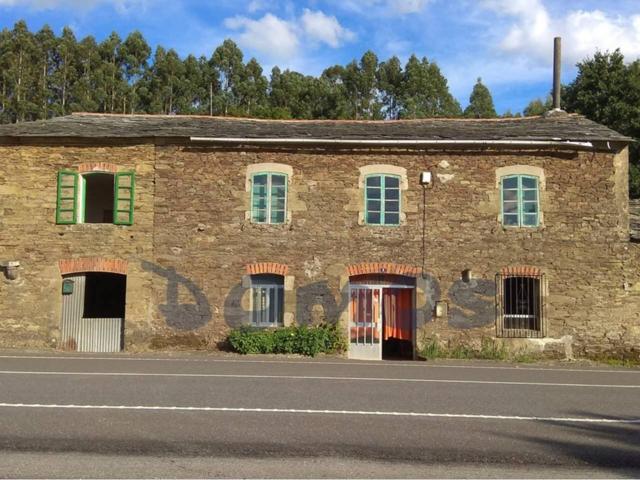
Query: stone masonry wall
{"points": [[31, 305], [191, 241], [204, 239]]}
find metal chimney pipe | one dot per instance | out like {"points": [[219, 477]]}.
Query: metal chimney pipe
{"points": [[557, 60]]}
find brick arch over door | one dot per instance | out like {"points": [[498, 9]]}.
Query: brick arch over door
{"points": [[94, 264], [383, 267], [267, 267]]}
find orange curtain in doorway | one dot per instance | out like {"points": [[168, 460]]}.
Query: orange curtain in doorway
{"points": [[397, 305]]}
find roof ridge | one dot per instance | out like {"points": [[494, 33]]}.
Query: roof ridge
{"points": [[305, 120]]}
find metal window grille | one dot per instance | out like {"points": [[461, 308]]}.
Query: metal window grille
{"points": [[520, 306], [267, 300]]}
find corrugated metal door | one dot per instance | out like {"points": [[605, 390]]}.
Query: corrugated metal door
{"points": [[86, 334]]}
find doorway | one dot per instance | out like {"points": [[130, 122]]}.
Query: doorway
{"points": [[381, 317], [93, 310]]}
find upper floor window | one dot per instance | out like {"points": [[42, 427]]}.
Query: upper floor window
{"points": [[382, 200], [96, 197], [268, 197], [520, 201]]}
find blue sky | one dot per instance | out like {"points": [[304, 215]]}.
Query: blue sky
{"points": [[506, 42]]}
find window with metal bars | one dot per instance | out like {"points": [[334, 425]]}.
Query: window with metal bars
{"points": [[520, 306], [269, 198], [267, 300]]}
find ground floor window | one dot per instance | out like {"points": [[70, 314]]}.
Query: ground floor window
{"points": [[520, 303], [267, 300]]}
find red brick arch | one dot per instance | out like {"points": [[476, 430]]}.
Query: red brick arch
{"points": [[521, 271], [79, 265], [267, 267], [383, 267], [97, 167]]}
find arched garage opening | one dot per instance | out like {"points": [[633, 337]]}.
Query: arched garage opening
{"points": [[93, 305]]}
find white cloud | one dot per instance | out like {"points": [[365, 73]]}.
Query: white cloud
{"points": [[532, 29], [383, 7], [121, 6], [324, 28], [280, 40], [269, 35]]}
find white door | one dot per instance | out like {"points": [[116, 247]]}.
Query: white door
{"points": [[365, 323]]}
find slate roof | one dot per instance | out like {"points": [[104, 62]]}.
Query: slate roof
{"points": [[558, 127]]}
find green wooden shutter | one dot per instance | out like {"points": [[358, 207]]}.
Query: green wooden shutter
{"points": [[124, 186], [67, 198]]}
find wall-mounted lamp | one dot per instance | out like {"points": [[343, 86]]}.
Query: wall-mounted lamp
{"points": [[425, 178], [11, 269], [442, 309]]}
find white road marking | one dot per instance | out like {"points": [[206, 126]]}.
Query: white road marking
{"points": [[325, 412], [321, 362], [311, 377]]}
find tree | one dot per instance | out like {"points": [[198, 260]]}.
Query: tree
{"points": [[390, 84], [227, 61], [20, 59], [252, 90], [65, 70], [45, 65], [538, 107], [480, 102], [608, 91], [133, 55], [425, 91]]}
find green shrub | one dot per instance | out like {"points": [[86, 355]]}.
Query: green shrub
{"points": [[301, 340]]}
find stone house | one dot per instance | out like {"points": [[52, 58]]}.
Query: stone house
{"points": [[132, 232]]}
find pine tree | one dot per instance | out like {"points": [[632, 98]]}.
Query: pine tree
{"points": [[480, 102]]}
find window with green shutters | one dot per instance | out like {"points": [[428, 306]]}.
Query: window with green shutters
{"points": [[124, 190], [74, 192], [67, 198], [520, 201], [268, 198], [382, 200]]}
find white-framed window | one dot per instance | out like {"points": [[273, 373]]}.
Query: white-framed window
{"points": [[269, 198], [267, 300]]}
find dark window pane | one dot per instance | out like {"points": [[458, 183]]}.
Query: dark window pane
{"points": [[373, 193], [373, 181], [510, 182], [391, 182], [530, 195], [373, 205], [528, 182], [391, 194], [530, 220], [260, 216], [392, 206], [391, 219], [510, 207], [530, 207], [373, 218], [510, 219], [510, 195], [278, 180], [277, 216], [260, 179]]}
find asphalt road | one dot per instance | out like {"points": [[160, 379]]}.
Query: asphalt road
{"points": [[205, 416]]}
